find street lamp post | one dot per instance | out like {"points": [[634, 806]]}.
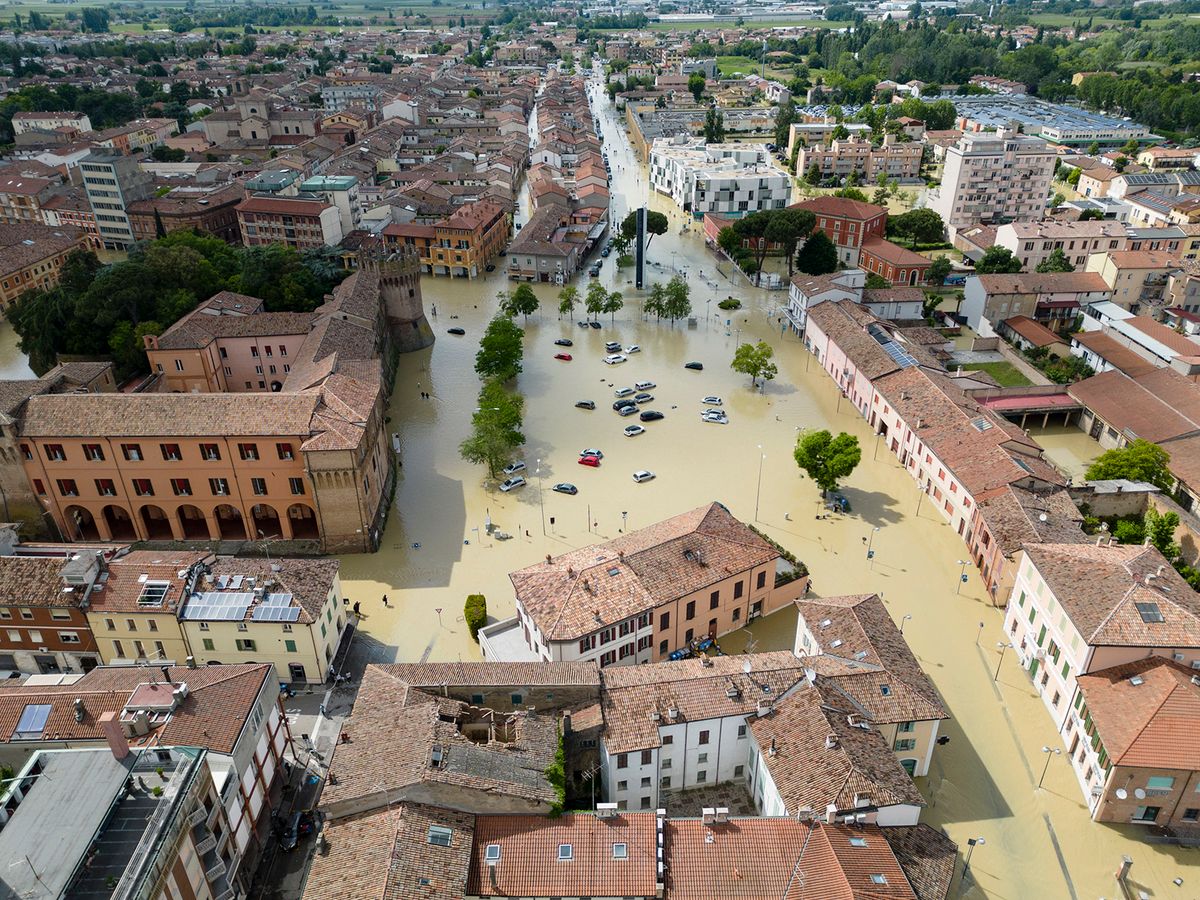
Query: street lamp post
{"points": [[972, 843], [541, 497], [924, 489], [978, 634], [962, 574], [1050, 754], [1002, 646], [758, 493], [904, 619], [624, 516], [871, 543]]}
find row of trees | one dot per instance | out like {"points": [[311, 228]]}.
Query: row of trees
{"points": [[497, 422], [98, 310]]}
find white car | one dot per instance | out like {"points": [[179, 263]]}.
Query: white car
{"points": [[645, 385], [715, 420], [514, 468], [633, 348], [513, 483], [615, 359], [634, 430], [623, 392], [642, 475], [713, 401]]}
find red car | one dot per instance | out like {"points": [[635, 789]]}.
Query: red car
{"points": [[593, 461], [563, 356]]}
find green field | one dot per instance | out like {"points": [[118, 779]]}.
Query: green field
{"points": [[1059, 20], [1005, 373]]}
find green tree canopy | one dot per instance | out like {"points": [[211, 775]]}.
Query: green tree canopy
{"points": [[755, 360], [521, 301], [568, 299], [495, 427], [696, 84], [917, 226], [656, 223], [1056, 262], [818, 256], [997, 260], [501, 350], [1139, 460], [714, 126], [827, 459]]}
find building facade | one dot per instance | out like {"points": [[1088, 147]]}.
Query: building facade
{"points": [[993, 177]]}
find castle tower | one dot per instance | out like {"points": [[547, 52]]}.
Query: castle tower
{"points": [[399, 277]]}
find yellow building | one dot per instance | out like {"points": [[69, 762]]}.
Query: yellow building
{"points": [[288, 612], [133, 607]]}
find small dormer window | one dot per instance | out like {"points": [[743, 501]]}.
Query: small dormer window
{"points": [[858, 842], [492, 853], [620, 851], [566, 853], [879, 879]]}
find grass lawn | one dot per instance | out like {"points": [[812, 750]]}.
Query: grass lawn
{"points": [[1005, 373], [756, 23]]}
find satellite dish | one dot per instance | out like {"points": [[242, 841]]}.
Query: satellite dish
{"points": [[1121, 793], [746, 667], [1139, 793]]}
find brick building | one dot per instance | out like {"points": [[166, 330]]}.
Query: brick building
{"points": [[31, 256], [848, 223], [42, 625], [893, 263], [461, 244], [213, 212], [299, 222]]}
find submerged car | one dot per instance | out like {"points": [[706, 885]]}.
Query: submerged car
{"points": [[694, 366], [592, 461], [623, 392], [592, 451], [634, 430], [513, 483], [614, 359], [459, 331], [713, 401], [564, 342], [514, 468], [565, 487], [565, 357], [643, 397], [643, 475], [651, 415], [586, 404]]}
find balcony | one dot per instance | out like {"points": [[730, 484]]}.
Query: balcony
{"points": [[198, 816]]}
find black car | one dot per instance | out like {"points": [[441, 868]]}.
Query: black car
{"points": [[595, 325], [491, 268], [582, 324], [695, 366], [651, 415], [458, 331], [586, 404], [566, 488], [563, 342], [623, 402]]}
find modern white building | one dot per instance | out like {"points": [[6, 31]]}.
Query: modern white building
{"points": [[809, 290], [994, 177], [727, 179]]}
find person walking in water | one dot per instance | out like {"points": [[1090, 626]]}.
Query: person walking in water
{"points": [[385, 602]]}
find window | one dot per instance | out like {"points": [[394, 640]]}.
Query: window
{"points": [[622, 785], [741, 732], [38, 486], [14, 636], [762, 581], [439, 835], [491, 853], [1146, 813], [565, 852], [647, 757], [1191, 814], [259, 486], [208, 643], [737, 615], [1149, 612], [714, 599], [142, 487], [210, 451], [153, 624], [739, 589], [284, 450], [666, 764], [132, 452], [67, 487], [517, 699], [296, 485], [623, 761], [879, 879], [55, 452], [219, 486], [664, 621], [171, 452], [668, 740], [688, 635], [702, 776], [182, 487], [248, 451], [69, 637], [93, 452], [1159, 784], [646, 781], [691, 610], [245, 644], [703, 737], [702, 758], [289, 646], [905, 744], [621, 851], [665, 781], [105, 487], [907, 727]]}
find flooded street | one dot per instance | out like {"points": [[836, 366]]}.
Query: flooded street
{"points": [[1068, 448], [13, 363]]}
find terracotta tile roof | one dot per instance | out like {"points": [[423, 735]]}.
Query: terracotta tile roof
{"points": [[183, 334], [631, 693], [841, 207], [1044, 283], [845, 323], [35, 581], [877, 671], [394, 729], [569, 595], [881, 248], [284, 206], [1181, 344], [835, 869], [1099, 587], [1151, 724], [309, 581], [496, 673], [124, 584], [23, 245], [1125, 404], [385, 854], [1013, 517], [1117, 354], [982, 449], [529, 849], [213, 714], [1033, 331], [927, 857], [808, 773]]}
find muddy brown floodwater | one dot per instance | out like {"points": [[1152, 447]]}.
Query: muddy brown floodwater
{"points": [[1039, 844]]}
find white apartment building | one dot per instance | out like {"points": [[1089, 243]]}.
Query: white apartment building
{"points": [[726, 179], [1082, 608], [1033, 242], [994, 177], [808, 290], [678, 725]]}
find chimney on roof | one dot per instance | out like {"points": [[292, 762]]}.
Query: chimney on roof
{"points": [[191, 662], [570, 571], [166, 672], [110, 726], [772, 750], [79, 709]]}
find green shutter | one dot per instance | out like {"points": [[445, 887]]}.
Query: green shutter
{"points": [[1041, 636], [289, 646]]}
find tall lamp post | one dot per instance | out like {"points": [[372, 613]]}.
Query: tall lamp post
{"points": [[972, 843], [871, 543], [624, 516], [962, 574], [1002, 646], [541, 498], [904, 619], [1050, 754], [758, 493]]}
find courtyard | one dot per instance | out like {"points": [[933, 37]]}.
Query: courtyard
{"points": [[436, 549]]}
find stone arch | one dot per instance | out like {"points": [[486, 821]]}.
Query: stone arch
{"points": [[230, 525], [156, 523], [265, 521], [120, 523], [81, 524], [303, 521], [193, 523]]}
